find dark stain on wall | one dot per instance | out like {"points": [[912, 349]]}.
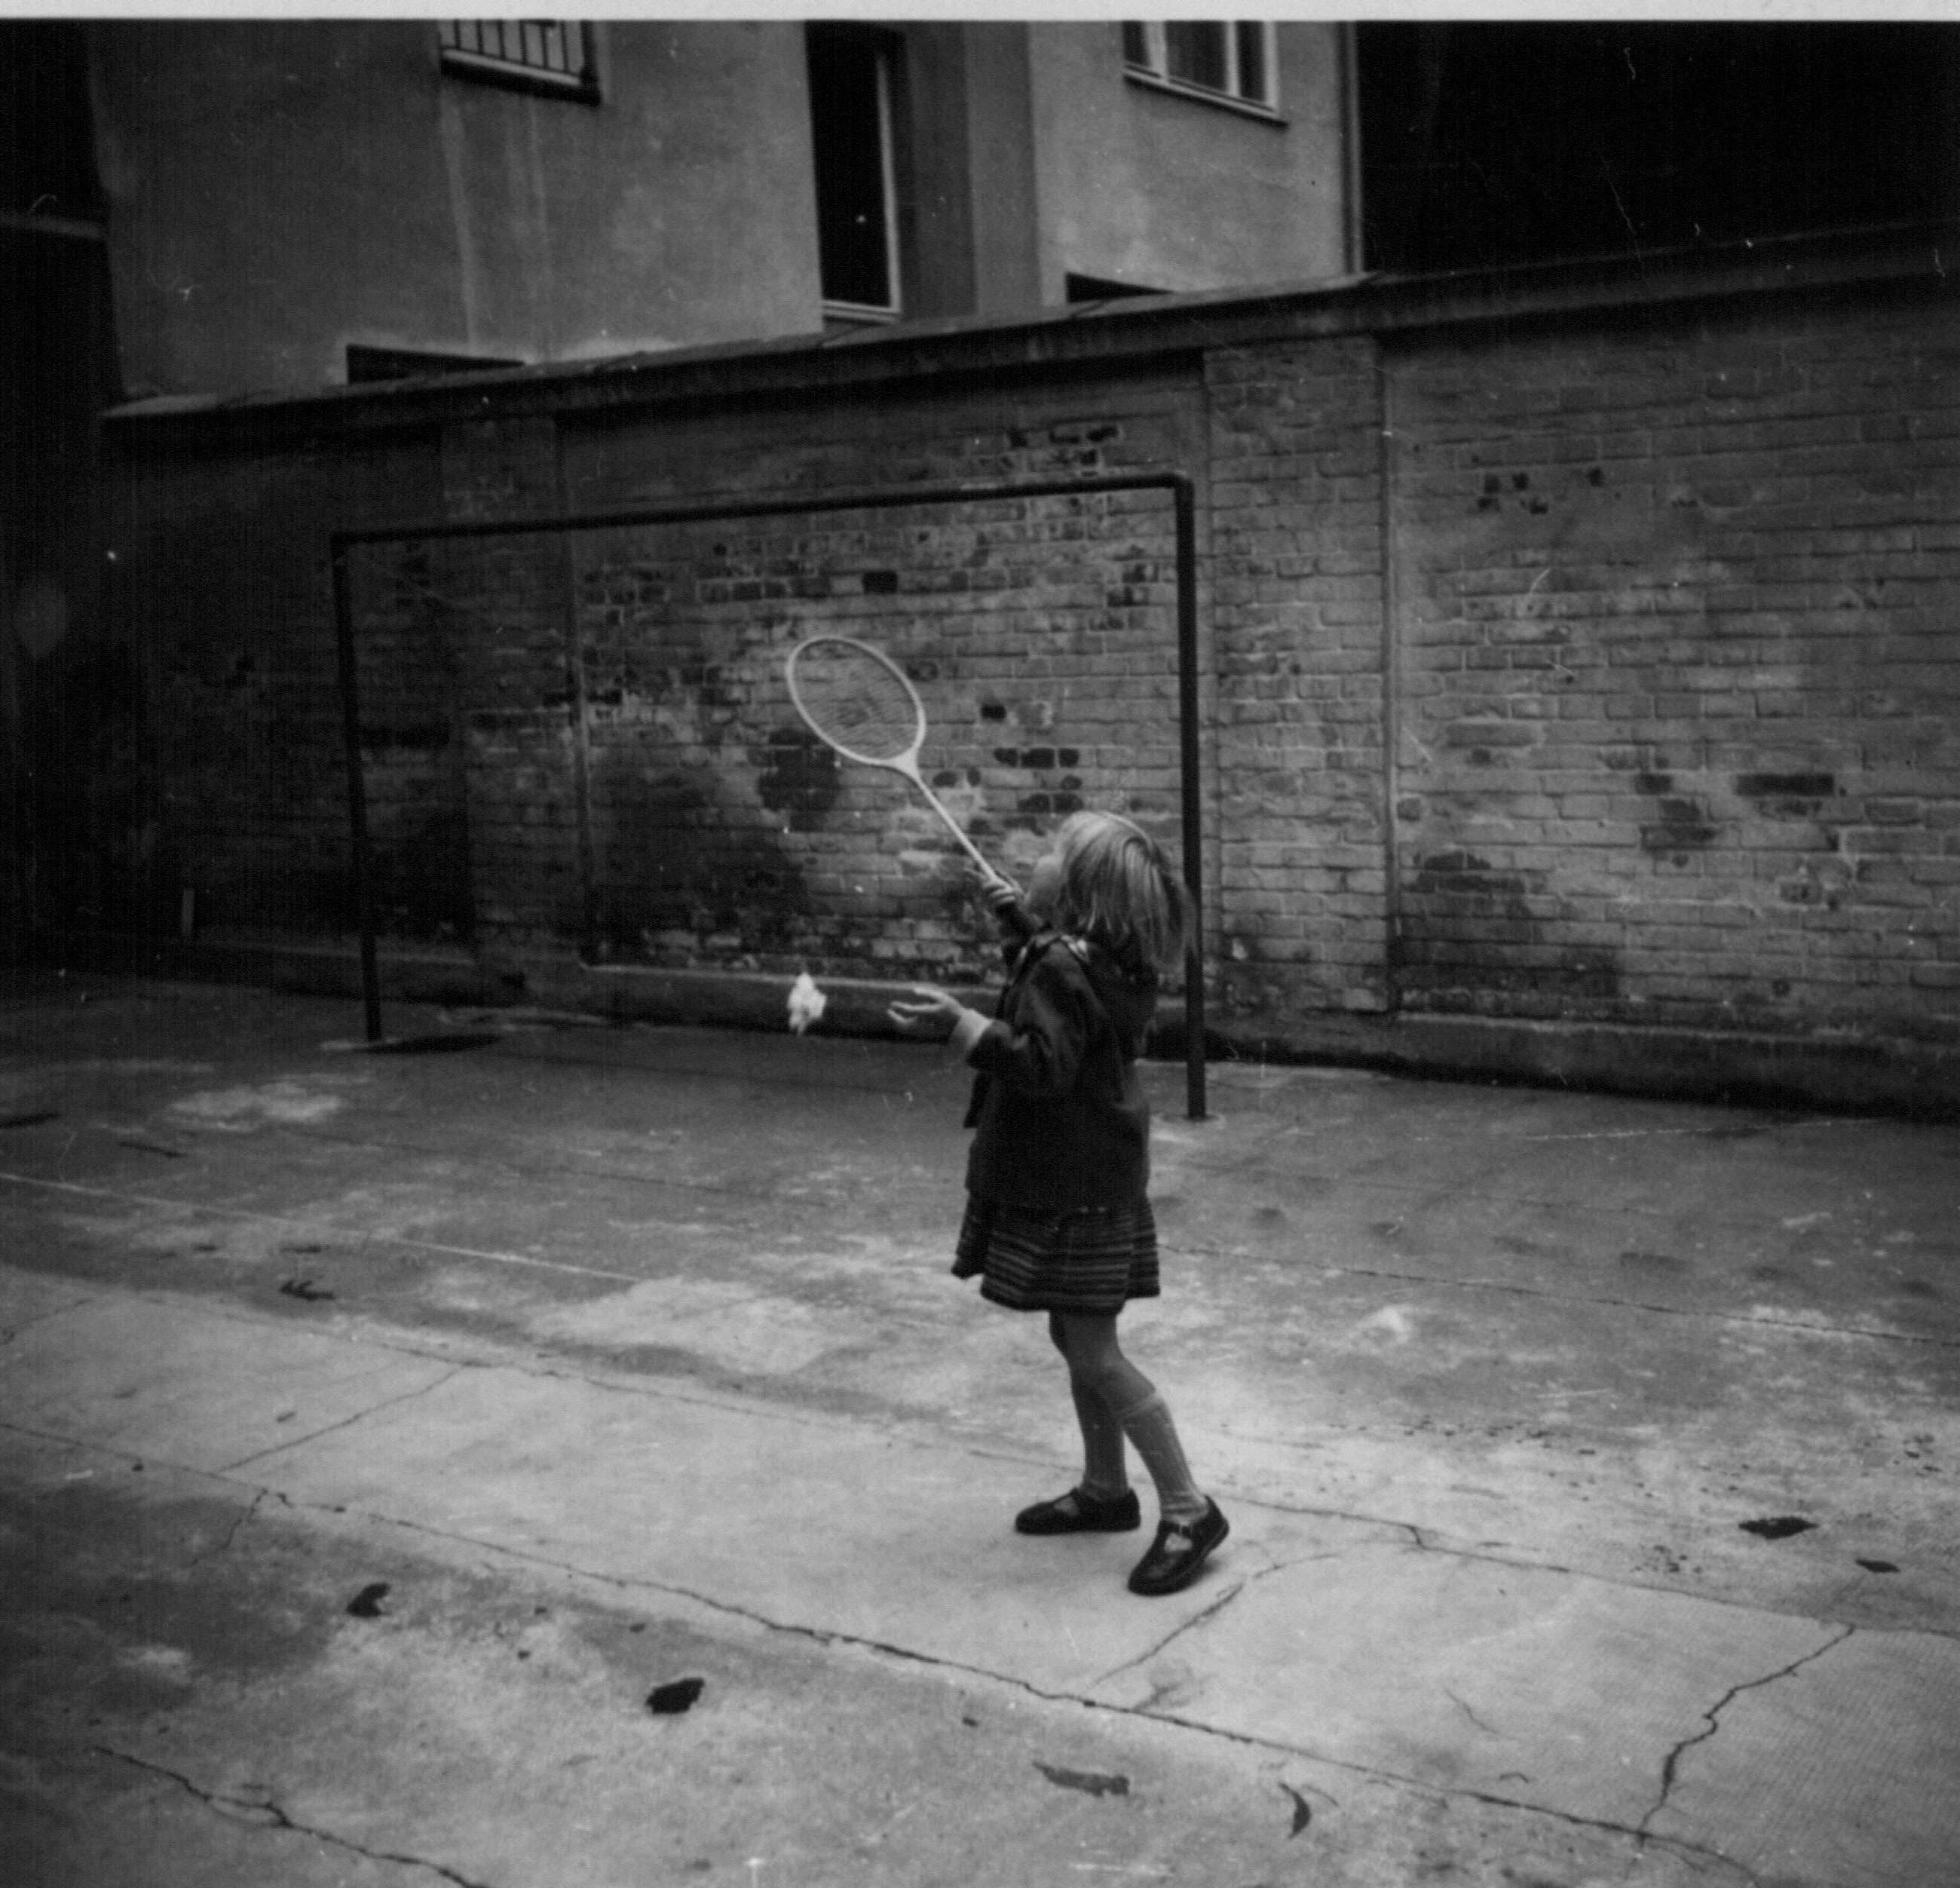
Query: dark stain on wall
{"points": [[1035, 809], [428, 737], [798, 777], [1469, 933], [420, 877], [1788, 796], [1683, 827], [656, 880]]}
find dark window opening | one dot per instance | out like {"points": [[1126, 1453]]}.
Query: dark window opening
{"points": [[1195, 53], [47, 141], [1097, 288], [1486, 143], [851, 78], [366, 366], [1249, 41]]}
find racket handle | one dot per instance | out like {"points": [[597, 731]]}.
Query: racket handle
{"points": [[953, 827]]}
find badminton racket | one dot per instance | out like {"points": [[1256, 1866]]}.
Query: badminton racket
{"points": [[857, 700]]}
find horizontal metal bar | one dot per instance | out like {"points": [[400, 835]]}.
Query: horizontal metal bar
{"points": [[882, 498]]}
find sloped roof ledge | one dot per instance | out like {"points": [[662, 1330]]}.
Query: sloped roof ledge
{"points": [[1136, 328]]}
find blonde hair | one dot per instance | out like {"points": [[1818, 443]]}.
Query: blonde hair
{"points": [[1119, 890]]}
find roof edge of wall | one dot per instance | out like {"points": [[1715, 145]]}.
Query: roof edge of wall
{"points": [[1135, 329]]}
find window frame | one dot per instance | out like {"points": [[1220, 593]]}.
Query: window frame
{"points": [[1152, 69], [579, 83], [862, 314]]}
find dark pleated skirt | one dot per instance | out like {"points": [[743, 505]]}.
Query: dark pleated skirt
{"points": [[1094, 1260]]}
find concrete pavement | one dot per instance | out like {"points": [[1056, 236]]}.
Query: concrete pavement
{"points": [[1589, 1463]]}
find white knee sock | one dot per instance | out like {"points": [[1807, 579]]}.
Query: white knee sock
{"points": [[1104, 1472], [1148, 1425]]}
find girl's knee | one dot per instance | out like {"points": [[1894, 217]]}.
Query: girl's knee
{"points": [[1088, 1342], [1096, 1358]]}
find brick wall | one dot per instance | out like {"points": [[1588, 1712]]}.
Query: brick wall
{"points": [[218, 571], [1296, 614], [1594, 668], [1040, 633], [1679, 672]]}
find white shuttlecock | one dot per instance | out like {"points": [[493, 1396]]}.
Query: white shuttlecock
{"points": [[806, 1003]]}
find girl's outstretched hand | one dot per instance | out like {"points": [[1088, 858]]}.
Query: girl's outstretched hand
{"points": [[927, 1004]]}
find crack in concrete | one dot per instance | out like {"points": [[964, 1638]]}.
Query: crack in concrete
{"points": [[1489, 1731], [1178, 1631], [1273, 1566], [267, 1814], [11, 1333], [1694, 1851], [1670, 1769], [346, 1422], [905, 1655], [246, 1515]]}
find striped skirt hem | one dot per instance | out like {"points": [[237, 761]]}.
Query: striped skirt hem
{"points": [[1092, 1261]]}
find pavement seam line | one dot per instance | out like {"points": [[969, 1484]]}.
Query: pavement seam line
{"points": [[1670, 1769], [596, 1272], [1617, 1304], [238, 1809], [1417, 1535], [11, 1333], [346, 1422], [217, 1210], [826, 1638]]}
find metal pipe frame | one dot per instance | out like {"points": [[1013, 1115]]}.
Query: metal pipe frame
{"points": [[1184, 504]]}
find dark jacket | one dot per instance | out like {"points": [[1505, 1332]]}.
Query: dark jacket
{"points": [[1061, 1120]]}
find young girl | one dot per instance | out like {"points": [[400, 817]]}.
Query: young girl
{"points": [[1057, 1216]]}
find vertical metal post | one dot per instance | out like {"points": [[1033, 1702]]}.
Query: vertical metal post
{"points": [[361, 875], [1392, 692], [1184, 499], [581, 732]]}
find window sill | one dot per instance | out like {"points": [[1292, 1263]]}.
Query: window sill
{"points": [[1150, 81], [76, 229], [841, 317], [512, 77]]}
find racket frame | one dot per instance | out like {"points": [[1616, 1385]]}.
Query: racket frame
{"points": [[906, 763]]}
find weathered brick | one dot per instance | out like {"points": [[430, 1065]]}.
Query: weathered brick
{"points": [[1711, 548]]}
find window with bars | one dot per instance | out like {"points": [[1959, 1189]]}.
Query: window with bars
{"points": [[553, 56], [1226, 60]]}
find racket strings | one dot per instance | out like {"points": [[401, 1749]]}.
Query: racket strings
{"points": [[856, 703]]}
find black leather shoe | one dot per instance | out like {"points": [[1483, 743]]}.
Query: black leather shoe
{"points": [[1179, 1553], [1076, 1513]]}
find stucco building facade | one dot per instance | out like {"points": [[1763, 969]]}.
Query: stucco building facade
{"points": [[421, 202]]}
